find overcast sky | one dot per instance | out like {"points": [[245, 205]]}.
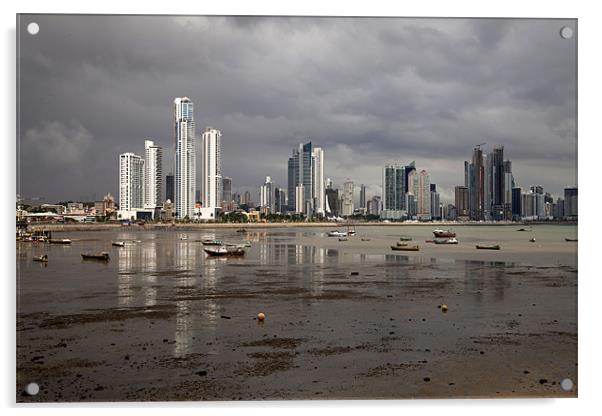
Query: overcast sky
{"points": [[369, 91]]}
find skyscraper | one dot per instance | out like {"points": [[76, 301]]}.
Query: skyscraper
{"points": [[497, 181], [394, 190], [279, 200], [185, 157], [348, 198], [153, 174], [363, 196], [266, 195], [169, 187], [211, 177], [476, 184], [131, 184], [306, 167], [332, 200], [516, 203], [570, 202], [419, 185], [435, 209], [227, 189], [318, 181], [462, 201]]}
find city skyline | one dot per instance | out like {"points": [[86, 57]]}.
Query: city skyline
{"points": [[491, 88]]}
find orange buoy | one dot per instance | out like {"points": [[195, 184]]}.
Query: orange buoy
{"points": [[260, 316]]}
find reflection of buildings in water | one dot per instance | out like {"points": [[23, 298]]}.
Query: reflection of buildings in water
{"points": [[136, 264], [255, 235], [481, 275], [202, 319]]}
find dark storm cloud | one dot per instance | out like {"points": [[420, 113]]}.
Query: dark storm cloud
{"points": [[370, 91]]}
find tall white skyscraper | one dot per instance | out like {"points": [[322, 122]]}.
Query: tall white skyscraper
{"points": [[212, 168], [266, 195], [153, 174], [131, 184], [348, 198], [185, 157], [318, 181]]}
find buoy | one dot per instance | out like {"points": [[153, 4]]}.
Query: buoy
{"points": [[444, 308], [260, 316]]}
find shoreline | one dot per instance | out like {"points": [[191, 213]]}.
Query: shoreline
{"points": [[334, 225]]}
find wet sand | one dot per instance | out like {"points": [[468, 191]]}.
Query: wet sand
{"points": [[344, 320]]}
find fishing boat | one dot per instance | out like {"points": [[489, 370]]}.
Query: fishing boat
{"points": [[118, 243], [212, 243], [351, 230], [443, 233], [104, 256], [446, 241], [490, 247], [532, 240], [522, 229], [405, 248], [60, 241], [184, 238], [336, 233], [405, 238], [574, 240], [224, 251], [43, 258]]}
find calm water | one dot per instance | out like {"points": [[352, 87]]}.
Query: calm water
{"points": [[162, 300]]}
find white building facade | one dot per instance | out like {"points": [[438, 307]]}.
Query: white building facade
{"points": [[131, 185], [318, 181], [347, 198], [211, 176], [185, 158], [153, 174], [266, 195]]}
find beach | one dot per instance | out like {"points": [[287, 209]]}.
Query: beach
{"points": [[344, 319]]}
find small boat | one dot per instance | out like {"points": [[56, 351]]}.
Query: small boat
{"points": [[522, 229], [184, 238], [343, 239], [104, 256], [443, 234], [400, 244], [573, 240], [225, 251], [491, 247], [241, 230], [532, 240], [118, 243], [60, 241], [337, 233], [405, 238], [405, 248], [446, 241], [43, 258], [212, 243]]}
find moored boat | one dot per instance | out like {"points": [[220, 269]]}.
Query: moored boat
{"points": [[522, 229], [443, 233], [241, 230], [405, 238], [488, 247], [446, 241], [60, 241], [405, 248], [104, 256], [574, 240], [118, 243], [212, 243], [43, 258], [532, 240], [336, 233], [224, 251]]}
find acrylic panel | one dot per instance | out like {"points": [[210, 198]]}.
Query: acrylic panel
{"points": [[283, 207]]}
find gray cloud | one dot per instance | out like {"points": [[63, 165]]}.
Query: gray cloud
{"points": [[369, 91]]}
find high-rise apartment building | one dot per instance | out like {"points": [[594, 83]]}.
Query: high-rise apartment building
{"points": [[570, 202], [267, 195], [363, 196], [185, 158], [227, 189], [319, 195], [131, 185], [153, 174], [419, 185], [169, 188], [347, 209], [306, 168], [211, 177], [462, 201]]}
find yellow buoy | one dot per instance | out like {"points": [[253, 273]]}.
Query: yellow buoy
{"points": [[444, 308], [260, 316]]}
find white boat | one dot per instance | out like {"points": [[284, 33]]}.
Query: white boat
{"points": [[451, 240], [184, 238], [224, 251], [337, 233], [118, 243]]}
